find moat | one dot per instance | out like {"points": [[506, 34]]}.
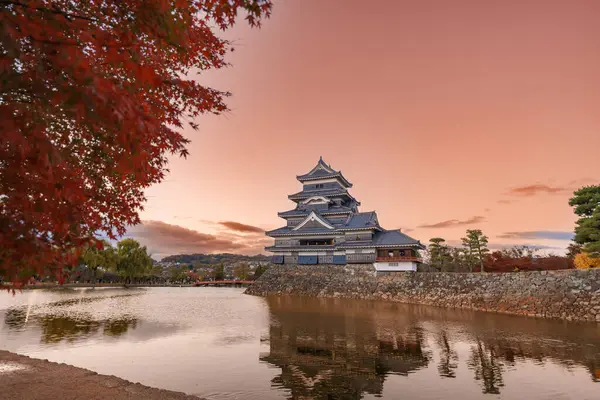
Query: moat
{"points": [[218, 343]]}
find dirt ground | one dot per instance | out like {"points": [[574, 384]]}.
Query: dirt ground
{"points": [[22, 377]]}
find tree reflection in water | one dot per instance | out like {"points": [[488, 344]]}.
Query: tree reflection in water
{"points": [[487, 368], [117, 327], [448, 357], [55, 328], [345, 349], [70, 327]]}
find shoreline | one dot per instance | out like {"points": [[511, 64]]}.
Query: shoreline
{"points": [[115, 285], [24, 377], [87, 286], [101, 285]]}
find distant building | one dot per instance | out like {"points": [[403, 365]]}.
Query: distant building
{"points": [[326, 227]]}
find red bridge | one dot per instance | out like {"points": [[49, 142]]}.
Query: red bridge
{"points": [[223, 283]]}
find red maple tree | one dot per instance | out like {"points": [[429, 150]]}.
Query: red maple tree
{"points": [[499, 261], [92, 94]]}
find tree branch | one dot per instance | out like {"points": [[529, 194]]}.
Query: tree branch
{"points": [[48, 10]]}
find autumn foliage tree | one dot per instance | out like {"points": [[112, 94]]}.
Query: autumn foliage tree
{"points": [[92, 96], [584, 261], [524, 258]]}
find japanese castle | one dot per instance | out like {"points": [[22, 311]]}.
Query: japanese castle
{"points": [[326, 227]]}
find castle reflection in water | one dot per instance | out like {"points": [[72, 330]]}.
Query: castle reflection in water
{"points": [[326, 350]]}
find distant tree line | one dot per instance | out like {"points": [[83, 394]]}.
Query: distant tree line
{"points": [[475, 256], [127, 262], [213, 259], [242, 271]]}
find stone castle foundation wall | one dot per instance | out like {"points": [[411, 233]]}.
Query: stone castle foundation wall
{"points": [[569, 294]]}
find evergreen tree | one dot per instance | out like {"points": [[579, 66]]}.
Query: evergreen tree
{"points": [[438, 253], [458, 260], [587, 206], [475, 244], [573, 249], [219, 272]]}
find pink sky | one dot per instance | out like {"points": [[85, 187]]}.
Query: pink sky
{"points": [[435, 110]]}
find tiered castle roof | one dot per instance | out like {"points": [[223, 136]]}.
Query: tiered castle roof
{"points": [[323, 171], [325, 207]]}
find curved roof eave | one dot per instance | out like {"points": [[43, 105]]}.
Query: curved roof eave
{"points": [[304, 178], [369, 246], [327, 172]]}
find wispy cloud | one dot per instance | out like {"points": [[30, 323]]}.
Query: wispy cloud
{"points": [[545, 189], [533, 190], [454, 222], [497, 246], [501, 246], [239, 227], [549, 235]]}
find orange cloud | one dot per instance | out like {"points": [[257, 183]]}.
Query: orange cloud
{"points": [[164, 239], [550, 235], [532, 190], [239, 227], [454, 222]]}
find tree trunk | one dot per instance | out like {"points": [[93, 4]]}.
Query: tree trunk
{"points": [[480, 260]]}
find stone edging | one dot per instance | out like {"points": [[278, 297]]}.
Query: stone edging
{"points": [[567, 294]]}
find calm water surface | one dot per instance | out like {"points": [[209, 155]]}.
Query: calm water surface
{"points": [[221, 344]]}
